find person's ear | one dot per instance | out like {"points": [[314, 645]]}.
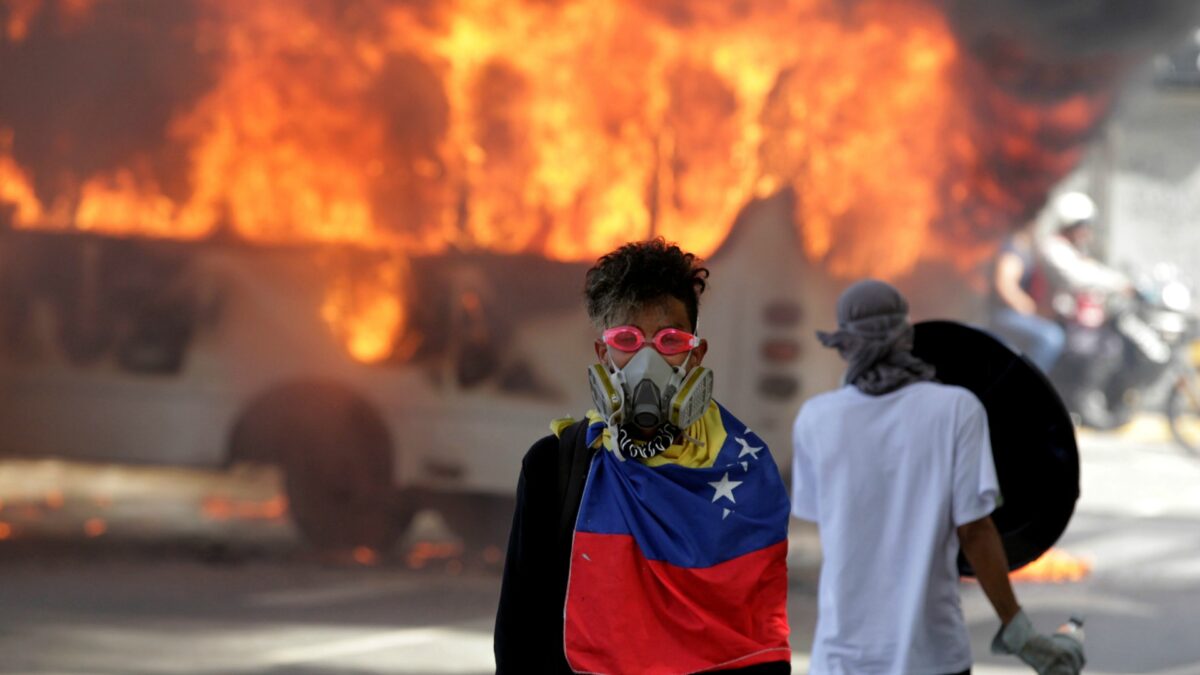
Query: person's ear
{"points": [[699, 352], [601, 351]]}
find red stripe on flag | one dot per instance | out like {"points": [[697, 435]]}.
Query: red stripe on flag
{"points": [[626, 614]]}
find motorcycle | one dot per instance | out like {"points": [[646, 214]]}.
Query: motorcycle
{"points": [[1122, 346]]}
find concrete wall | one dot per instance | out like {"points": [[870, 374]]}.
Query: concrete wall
{"points": [[1144, 172]]}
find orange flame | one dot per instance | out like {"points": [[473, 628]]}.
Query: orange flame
{"points": [[365, 311], [863, 145], [1055, 566], [120, 204], [477, 124], [15, 189], [22, 13], [6, 531]]}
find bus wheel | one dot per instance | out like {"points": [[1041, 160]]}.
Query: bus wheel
{"points": [[336, 455], [337, 471], [341, 497]]}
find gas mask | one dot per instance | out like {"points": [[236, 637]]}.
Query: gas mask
{"points": [[649, 392]]}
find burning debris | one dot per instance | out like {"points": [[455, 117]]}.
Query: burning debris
{"points": [[49, 499], [423, 553], [1055, 566], [45, 501], [222, 508]]}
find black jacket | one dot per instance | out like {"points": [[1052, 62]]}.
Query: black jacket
{"points": [[529, 621]]}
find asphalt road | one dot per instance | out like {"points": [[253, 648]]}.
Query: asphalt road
{"points": [[109, 570]]}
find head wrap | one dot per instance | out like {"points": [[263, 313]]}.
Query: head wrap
{"points": [[876, 339]]}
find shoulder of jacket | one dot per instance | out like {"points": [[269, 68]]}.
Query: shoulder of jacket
{"points": [[545, 449]]}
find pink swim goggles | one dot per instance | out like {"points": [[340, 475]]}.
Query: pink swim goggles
{"points": [[667, 341]]}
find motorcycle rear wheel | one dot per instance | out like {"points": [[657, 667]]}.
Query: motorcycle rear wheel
{"points": [[1183, 412]]}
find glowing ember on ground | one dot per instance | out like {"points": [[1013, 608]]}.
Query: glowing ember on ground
{"points": [[224, 508], [364, 555], [94, 527], [1055, 566], [424, 552]]}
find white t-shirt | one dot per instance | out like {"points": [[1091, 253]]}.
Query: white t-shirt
{"points": [[888, 479]]}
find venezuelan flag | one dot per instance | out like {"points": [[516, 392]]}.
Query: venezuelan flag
{"points": [[680, 569]]}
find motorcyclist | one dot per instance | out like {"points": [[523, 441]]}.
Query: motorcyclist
{"points": [[1069, 266], [1014, 310], [1092, 352]]}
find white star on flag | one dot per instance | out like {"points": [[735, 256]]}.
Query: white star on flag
{"points": [[748, 449], [745, 466], [724, 488], [725, 514]]}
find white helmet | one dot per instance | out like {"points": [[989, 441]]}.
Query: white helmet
{"points": [[1073, 208]]}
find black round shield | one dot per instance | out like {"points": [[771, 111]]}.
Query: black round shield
{"points": [[1033, 440]]}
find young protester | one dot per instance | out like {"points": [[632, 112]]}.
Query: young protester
{"points": [[650, 537]]}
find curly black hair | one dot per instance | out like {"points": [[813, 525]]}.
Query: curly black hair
{"points": [[640, 273]]}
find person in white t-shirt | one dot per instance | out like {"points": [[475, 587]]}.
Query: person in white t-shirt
{"points": [[897, 472]]}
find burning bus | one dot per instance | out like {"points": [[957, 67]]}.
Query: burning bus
{"points": [[203, 354], [349, 237]]}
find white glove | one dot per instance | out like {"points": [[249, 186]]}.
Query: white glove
{"points": [[1047, 654]]}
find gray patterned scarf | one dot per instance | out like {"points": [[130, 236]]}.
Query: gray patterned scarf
{"points": [[876, 339]]}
